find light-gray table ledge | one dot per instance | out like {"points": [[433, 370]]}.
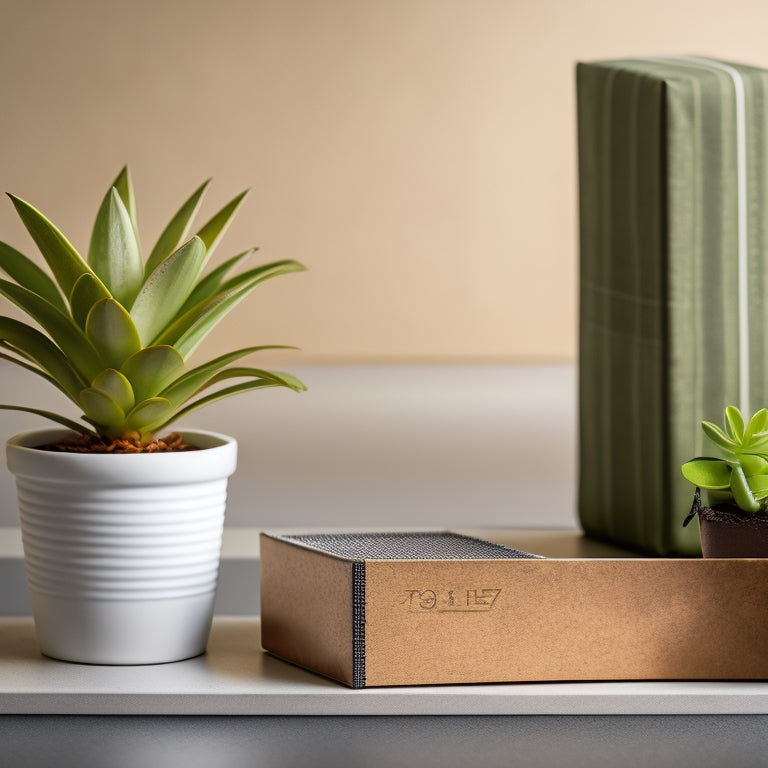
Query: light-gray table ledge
{"points": [[235, 677]]}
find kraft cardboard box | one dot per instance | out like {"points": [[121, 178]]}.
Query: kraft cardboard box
{"points": [[413, 609], [673, 188]]}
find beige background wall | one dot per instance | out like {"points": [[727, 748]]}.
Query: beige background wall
{"points": [[417, 155]]}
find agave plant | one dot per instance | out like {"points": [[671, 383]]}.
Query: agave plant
{"points": [[741, 478], [118, 329]]}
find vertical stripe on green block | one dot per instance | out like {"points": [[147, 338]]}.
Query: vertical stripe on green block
{"points": [[756, 85], [593, 136], [703, 272], [622, 329]]}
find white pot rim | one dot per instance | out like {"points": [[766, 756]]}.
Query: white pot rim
{"points": [[216, 458]]}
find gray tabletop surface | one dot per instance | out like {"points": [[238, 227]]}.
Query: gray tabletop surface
{"points": [[235, 677]]}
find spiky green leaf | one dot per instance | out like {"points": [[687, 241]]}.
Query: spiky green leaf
{"points": [[114, 252], [63, 420], [211, 283], [31, 368], [87, 291], [278, 378], [124, 186], [195, 379], [166, 289], [213, 230], [112, 333], [176, 231], [213, 397], [95, 337], [64, 261], [25, 272], [60, 327], [117, 386], [260, 274], [151, 370], [41, 350], [190, 329]]}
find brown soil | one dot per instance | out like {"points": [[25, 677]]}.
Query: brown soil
{"points": [[92, 444], [727, 513]]}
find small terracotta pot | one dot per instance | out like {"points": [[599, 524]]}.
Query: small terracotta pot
{"points": [[728, 532]]}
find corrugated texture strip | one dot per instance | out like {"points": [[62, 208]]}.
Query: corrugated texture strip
{"points": [[358, 624]]}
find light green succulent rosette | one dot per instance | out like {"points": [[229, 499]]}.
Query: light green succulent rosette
{"points": [[739, 478], [116, 330]]}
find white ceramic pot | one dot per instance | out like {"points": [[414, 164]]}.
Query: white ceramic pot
{"points": [[122, 551]]}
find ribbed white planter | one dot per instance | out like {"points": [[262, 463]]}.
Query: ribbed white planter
{"points": [[122, 551]]}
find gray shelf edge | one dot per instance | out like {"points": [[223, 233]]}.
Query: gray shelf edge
{"points": [[237, 678]]}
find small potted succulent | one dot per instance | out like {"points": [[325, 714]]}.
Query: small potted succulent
{"points": [[122, 525], [734, 521]]}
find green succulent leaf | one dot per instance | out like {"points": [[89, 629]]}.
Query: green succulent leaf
{"points": [[112, 332], [757, 445], [124, 186], [156, 409], [741, 491], [31, 368], [114, 252], [117, 386], [166, 289], [211, 283], [118, 331], [151, 370], [278, 378], [192, 381], [260, 274], [213, 230], [758, 484], [25, 272], [711, 474], [191, 328], [753, 464], [38, 348], [757, 426], [64, 261], [60, 327], [718, 437], [100, 408], [734, 424], [176, 231], [220, 394], [87, 291], [63, 420]]}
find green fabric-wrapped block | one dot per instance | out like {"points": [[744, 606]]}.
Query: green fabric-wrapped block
{"points": [[673, 172]]}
